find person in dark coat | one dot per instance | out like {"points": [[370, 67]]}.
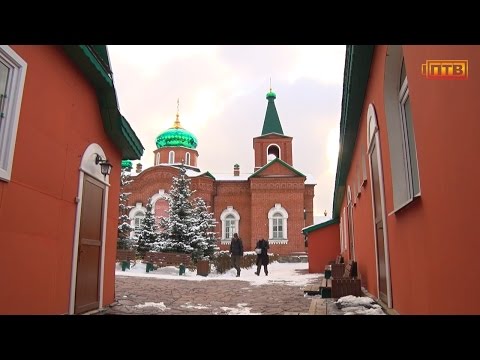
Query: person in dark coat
{"points": [[262, 257], [236, 251]]}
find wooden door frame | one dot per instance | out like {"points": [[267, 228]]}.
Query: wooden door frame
{"points": [[89, 168], [371, 116]]}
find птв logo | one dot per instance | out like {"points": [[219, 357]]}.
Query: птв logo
{"points": [[445, 69]]}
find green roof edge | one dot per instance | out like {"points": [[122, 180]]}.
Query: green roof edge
{"points": [[97, 69], [358, 59], [207, 173], [274, 161], [311, 228]]}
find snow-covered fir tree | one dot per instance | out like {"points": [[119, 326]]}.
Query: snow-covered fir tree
{"points": [[204, 239], [177, 230], [124, 228], [149, 231]]}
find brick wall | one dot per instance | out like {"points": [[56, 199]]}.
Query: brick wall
{"points": [[252, 199]]}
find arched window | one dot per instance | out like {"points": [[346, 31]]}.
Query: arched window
{"points": [[273, 151], [230, 219], [187, 158], [278, 221], [171, 157], [157, 159], [229, 226], [136, 215], [137, 221], [400, 127]]}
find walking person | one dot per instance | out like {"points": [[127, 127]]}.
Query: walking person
{"points": [[236, 251], [262, 256]]}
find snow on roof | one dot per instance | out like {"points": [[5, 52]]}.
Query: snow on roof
{"points": [[231, 177], [193, 173], [310, 179]]}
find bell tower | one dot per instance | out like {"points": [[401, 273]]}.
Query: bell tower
{"points": [[272, 143]]}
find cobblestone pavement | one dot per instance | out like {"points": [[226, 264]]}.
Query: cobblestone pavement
{"points": [[150, 296]]}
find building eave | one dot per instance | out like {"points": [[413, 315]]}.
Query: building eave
{"points": [[95, 68], [324, 224], [358, 60]]}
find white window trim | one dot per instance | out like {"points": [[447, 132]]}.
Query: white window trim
{"points": [[157, 159], [11, 109], [160, 195], [350, 228], [138, 208], [345, 232], [279, 150], [402, 99], [341, 233], [278, 208], [187, 158], [229, 211], [372, 118], [364, 166], [394, 92], [171, 157]]}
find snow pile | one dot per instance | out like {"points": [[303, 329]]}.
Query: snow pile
{"points": [[161, 306], [359, 305]]}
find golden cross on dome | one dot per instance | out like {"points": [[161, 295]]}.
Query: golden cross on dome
{"points": [[176, 124]]}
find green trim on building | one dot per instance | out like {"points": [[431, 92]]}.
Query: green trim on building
{"points": [[207, 173], [126, 164], [358, 59], [311, 228], [271, 124], [256, 173], [95, 65]]}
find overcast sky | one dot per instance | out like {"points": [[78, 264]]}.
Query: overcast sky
{"points": [[222, 102]]}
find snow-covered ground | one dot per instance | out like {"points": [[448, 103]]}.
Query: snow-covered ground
{"points": [[294, 274]]}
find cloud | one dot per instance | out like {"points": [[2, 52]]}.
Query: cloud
{"points": [[222, 101]]}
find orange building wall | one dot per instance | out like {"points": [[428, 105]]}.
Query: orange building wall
{"points": [[433, 241], [59, 118], [323, 247]]}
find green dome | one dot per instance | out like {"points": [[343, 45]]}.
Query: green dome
{"points": [[271, 95], [176, 137], [126, 164]]}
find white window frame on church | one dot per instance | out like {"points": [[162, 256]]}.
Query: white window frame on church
{"points": [[278, 218], [279, 150], [12, 80], [171, 157], [226, 218], [187, 158], [136, 215], [157, 162]]}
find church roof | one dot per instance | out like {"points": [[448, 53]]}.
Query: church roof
{"points": [[291, 168], [176, 135], [271, 124]]}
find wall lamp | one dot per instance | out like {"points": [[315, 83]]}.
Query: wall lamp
{"points": [[105, 166]]}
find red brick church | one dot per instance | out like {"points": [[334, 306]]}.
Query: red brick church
{"points": [[274, 202]]}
